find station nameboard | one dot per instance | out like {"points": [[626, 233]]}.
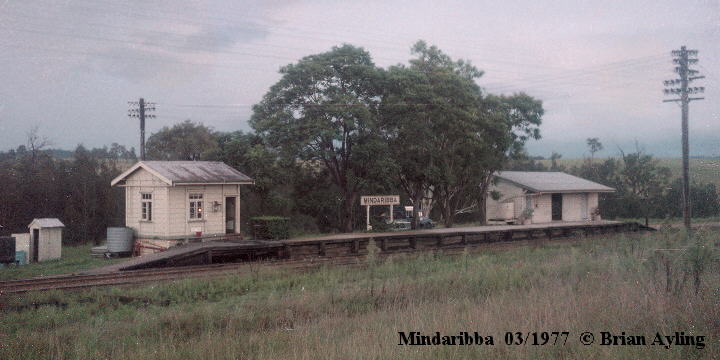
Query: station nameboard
{"points": [[380, 200]]}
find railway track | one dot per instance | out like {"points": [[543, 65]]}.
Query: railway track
{"points": [[79, 281], [129, 277]]}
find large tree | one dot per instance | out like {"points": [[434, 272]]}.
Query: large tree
{"points": [[323, 113], [447, 137], [513, 120]]}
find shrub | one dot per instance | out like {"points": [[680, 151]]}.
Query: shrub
{"points": [[270, 227], [527, 213], [379, 224]]}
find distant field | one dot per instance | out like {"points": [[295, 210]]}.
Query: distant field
{"points": [[701, 170], [610, 283]]}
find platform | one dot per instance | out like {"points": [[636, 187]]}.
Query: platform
{"points": [[356, 244]]}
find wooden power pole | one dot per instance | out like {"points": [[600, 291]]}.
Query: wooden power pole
{"points": [[139, 109], [683, 58]]}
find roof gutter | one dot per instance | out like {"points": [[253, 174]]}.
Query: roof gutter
{"points": [[215, 183]]}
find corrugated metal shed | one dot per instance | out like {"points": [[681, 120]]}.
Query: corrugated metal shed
{"points": [[555, 182], [190, 172], [46, 223]]}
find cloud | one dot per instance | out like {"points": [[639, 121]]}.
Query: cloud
{"points": [[74, 64]]}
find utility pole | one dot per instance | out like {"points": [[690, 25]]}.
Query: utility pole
{"points": [[683, 58], [140, 109]]}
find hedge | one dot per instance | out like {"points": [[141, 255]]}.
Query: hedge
{"points": [[270, 227]]}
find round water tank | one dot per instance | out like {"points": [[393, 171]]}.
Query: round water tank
{"points": [[119, 239]]}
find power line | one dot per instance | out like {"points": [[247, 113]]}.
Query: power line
{"points": [[582, 80], [295, 33], [162, 46], [281, 57], [164, 61], [613, 66]]}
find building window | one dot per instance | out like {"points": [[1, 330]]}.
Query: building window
{"points": [[146, 207], [196, 206]]}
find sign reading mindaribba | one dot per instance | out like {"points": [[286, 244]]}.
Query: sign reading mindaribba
{"points": [[380, 200]]}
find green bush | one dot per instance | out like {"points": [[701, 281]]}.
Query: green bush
{"points": [[379, 224], [270, 227]]}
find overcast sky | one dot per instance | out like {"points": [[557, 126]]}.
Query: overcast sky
{"points": [[70, 67]]}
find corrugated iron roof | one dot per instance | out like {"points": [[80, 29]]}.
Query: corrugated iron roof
{"points": [[545, 181], [197, 172], [47, 223], [188, 172]]}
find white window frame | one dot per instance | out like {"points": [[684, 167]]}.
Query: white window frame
{"points": [[146, 206], [195, 207]]}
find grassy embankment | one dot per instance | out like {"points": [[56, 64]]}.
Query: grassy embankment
{"points": [[614, 284], [74, 258]]}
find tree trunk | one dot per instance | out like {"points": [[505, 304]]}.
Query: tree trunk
{"points": [[482, 200], [448, 212], [482, 209], [416, 209], [347, 220]]}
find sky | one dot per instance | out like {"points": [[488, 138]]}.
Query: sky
{"points": [[69, 68]]}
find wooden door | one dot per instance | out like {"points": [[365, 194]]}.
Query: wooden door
{"points": [[35, 245], [230, 215]]}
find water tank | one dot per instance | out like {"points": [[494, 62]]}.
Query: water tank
{"points": [[119, 240], [21, 257]]}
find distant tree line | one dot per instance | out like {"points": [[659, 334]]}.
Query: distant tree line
{"points": [[644, 188], [75, 189]]}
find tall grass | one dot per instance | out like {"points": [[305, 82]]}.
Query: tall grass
{"points": [[601, 284]]}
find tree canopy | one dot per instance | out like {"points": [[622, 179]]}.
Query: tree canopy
{"points": [[184, 141], [426, 126], [323, 113]]}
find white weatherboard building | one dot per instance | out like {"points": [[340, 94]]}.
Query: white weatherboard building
{"points": [[167, 202], [552, 196]]}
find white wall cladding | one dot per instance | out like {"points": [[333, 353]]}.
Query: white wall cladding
{"points": [[508, 192], [575, 208], [541, 203], [543, 209], [170, 214], [139, 182]]}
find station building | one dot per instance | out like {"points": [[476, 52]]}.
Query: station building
{"points": [[549, 196], [168, 202]]}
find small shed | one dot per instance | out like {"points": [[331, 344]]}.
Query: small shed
{"points": [[543, 197], [45, 239]]}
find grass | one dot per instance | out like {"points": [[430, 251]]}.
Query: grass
{"points": [[74, 258], [701, 170], [617, 284]]}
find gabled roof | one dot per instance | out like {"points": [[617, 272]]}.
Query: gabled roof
{"points": [[46, 223], [188, 172], [556, 182]]}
